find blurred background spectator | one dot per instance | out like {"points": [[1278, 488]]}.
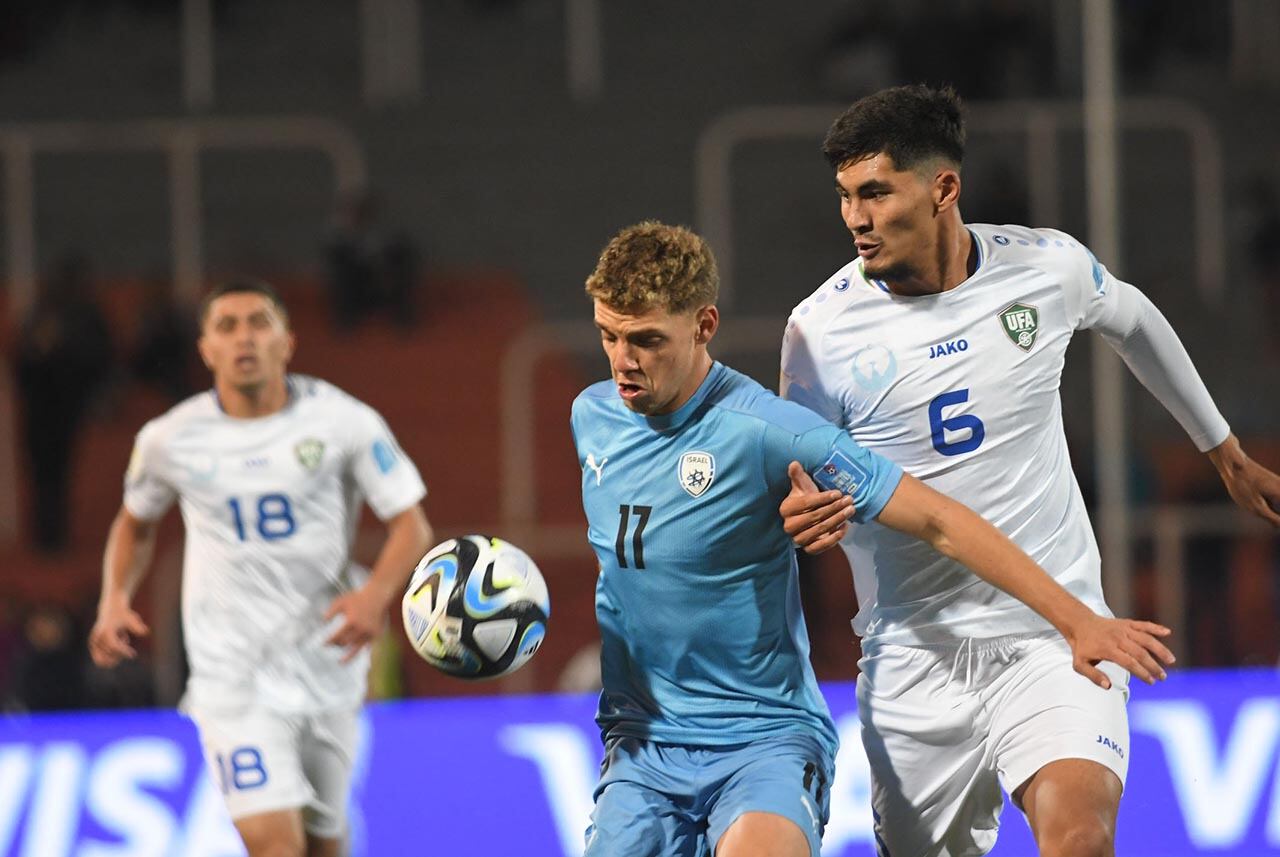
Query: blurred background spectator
{"points": [[63, 358], [370, 271], [164, 351]]}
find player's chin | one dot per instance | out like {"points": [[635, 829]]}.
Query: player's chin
{"points": [[640, 404], [883, 268]]}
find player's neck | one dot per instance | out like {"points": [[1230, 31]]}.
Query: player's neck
{"points": [[697, 377], [954, 261], [247, 403]]}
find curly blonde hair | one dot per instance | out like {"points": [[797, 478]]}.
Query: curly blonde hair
{"points": [[652, 265]]}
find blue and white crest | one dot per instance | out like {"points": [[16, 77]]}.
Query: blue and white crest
{"points": [[696, 471]]}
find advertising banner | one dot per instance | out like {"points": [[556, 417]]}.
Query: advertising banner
{"points": [[514, 775]]}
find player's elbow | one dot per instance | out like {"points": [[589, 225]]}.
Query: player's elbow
{"points": [[940, 530], [416, 527], [136, 529]]}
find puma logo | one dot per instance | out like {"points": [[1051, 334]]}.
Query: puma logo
{"points": [[598, 468]]}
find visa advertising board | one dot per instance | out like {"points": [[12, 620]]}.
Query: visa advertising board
{"points": [[508, 775]]}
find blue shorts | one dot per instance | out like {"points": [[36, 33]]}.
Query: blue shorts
{"points": [[675, 800]]}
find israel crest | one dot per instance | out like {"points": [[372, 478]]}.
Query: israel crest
{"points": [[696, 471], [309, 452]]}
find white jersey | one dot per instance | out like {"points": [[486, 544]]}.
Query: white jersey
{"points": [[961, 389], [270, 507]]}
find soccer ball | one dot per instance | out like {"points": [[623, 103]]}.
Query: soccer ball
{"points": [[476, 607]]}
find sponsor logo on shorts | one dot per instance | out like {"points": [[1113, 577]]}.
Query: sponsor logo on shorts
{"points": [[1111, 745]]}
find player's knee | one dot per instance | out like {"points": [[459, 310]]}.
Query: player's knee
{"points": [[278, 849], [1082, 838]]}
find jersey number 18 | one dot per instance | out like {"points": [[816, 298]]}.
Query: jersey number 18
{"points": [[274, 519]]}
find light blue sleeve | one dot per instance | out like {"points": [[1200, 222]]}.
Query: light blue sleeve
{"points": [[831, 457]]}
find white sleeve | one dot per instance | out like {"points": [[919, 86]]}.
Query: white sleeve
{"points": [[386, 476], [1143, 337], [147, 492], [801, 377]]}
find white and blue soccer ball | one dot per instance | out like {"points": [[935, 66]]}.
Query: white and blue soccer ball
{"points": [[476, 607]]}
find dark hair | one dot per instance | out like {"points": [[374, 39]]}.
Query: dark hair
{"points": [[652, 265], [243, 286], [910, 124]]}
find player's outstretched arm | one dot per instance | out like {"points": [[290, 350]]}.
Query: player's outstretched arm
{"points": [[815, 520], [364, 611], [955, 530], [125, 561], [1254, 488]]}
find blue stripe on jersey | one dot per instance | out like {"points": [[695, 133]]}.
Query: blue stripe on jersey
{"points": [[703, 638]]}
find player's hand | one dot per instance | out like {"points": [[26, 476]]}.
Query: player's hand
{"points": [[1254, 488], [364, 613], [110, 641], [1129, 643], [814, 519]]}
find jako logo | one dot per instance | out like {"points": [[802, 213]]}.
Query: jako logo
{"points": [[1111, 745], [942, 349]]}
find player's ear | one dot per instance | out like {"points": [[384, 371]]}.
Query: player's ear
{"points": [[205, 357], [291, 342], [946, 189], [708, 319]]}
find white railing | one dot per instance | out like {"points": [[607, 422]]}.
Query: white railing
{"points": [[1169, 527], [182, 141]]}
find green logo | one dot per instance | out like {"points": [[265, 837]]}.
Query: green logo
{"points": [[1021, 322], [309, 453]]}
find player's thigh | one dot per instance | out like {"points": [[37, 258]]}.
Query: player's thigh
{"points": [[634, 819], [327, 752], [763, 834], [1071, 805], [277, 833], [323, 846], [1049, 712], [934, 787], [645, 803], [254, 761], [774, 798]]}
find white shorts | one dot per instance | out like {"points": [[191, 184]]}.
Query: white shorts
{"points": [[945, 727], [262, 761]]}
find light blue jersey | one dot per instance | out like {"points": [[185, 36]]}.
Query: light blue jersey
{"points": [[704, 642]]}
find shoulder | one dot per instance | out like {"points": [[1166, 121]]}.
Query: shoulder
{"points": [[599, 396], [310, 394], [1049, 250], [836, 294], [309, 389], [749, 400], [191, 411]]}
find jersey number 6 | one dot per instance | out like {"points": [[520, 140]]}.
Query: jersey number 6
{"points": [[940, 426]]}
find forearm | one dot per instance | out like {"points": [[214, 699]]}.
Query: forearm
{"points": [[130, 546], [409, 535], [954, 530], [959, 533], [1151, 349]]}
